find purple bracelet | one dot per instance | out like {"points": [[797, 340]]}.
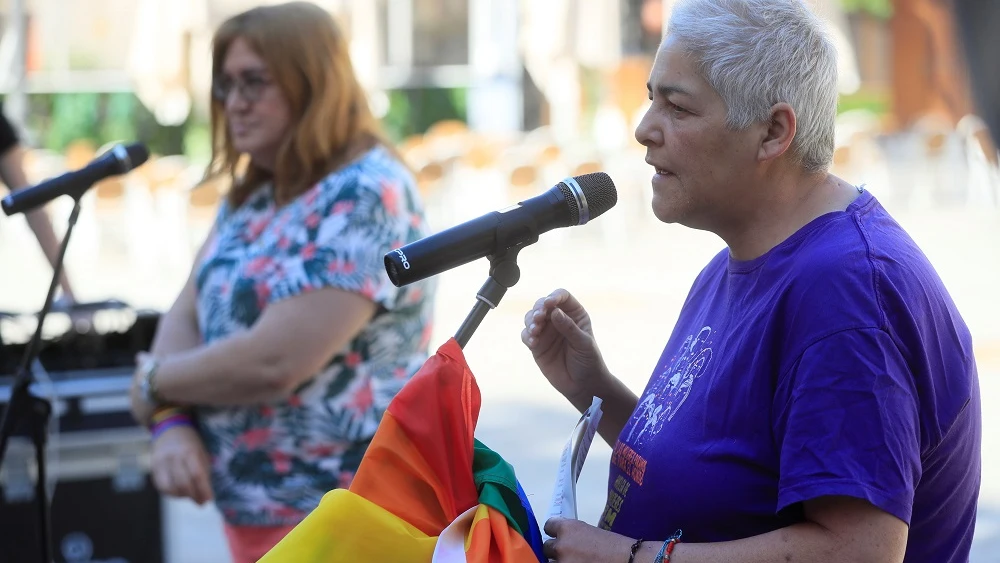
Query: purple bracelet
{"points": [[177, 420]]}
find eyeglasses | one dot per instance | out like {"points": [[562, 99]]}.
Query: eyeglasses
{"points": [[251, 87]]}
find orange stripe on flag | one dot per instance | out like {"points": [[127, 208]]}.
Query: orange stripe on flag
{"points": [[437, 411], [492, 539], [395, 476]]}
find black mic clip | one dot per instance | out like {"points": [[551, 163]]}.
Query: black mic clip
{"points": [[503, 263], [504, 273], [503, 266]]}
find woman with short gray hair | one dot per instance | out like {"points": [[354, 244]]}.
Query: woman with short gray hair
{"points": [[818, 398]]}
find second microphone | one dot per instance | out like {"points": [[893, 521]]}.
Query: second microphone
{"points": [[574, 201]]}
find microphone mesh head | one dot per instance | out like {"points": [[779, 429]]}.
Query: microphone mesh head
{"points": [[600, 192], [570, 200], [137, 154]]}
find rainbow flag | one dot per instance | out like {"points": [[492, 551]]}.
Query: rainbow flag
{"points": [[427, 491]]}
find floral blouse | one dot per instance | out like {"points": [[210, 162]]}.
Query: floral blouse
{"points": [[272, 463]]}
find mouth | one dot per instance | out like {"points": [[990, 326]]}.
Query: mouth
{"points": [[241, 128], [659, 171]]}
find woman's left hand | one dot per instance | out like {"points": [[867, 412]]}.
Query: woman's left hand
{"points": [[142, 410], [574, 541]]}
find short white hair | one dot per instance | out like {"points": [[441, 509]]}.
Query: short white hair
{"points": [[756, 53]]}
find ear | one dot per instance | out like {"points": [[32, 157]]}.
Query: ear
{"points": [[780, 132]]}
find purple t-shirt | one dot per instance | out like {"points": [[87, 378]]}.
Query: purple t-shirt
{"points": [[835, 364]]}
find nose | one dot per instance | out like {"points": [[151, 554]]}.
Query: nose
{"points": [[235, 101], [646, 131]]}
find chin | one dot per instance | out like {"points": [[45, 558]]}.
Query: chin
{"points": [[244, 146], [668, 210]]}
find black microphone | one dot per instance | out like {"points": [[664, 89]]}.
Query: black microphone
{"points": [[118, 160], [574, 201]]}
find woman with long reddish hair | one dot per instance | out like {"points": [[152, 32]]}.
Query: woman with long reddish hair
{"points": [[270, 373]]}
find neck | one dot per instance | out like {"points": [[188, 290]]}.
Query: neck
{"points": [[264, 162], [787, 201]]}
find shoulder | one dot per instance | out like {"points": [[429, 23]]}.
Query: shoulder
{"points": [[860, 269], [370, 170], [375, 175], [826, 279]]}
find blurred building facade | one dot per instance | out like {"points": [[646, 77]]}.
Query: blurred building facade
{"points": [[518, 63]]}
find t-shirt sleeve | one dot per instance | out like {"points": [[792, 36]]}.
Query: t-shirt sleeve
{"points": [[847, 423], [347, 231]]}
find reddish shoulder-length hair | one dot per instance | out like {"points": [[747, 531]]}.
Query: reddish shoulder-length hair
{"points": [[307, 54]]}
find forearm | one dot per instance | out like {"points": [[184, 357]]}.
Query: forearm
{"points": [[12, 171], [617, 404], [41, 226], [228, 372], [806, 542], [177, 332], [175, 335]]}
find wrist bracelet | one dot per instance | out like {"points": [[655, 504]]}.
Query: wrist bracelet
{"points": [[164, 412], [663, 556], [635, 548], [177, 420]]}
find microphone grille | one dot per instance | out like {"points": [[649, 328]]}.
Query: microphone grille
{"points": [[571, 203], [600, 192], [138, 154]]}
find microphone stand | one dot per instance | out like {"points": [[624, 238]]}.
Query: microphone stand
{"points": [[33, 411], [504, 273]]}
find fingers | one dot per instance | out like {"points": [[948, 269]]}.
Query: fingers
{"points": [[181, 478], [534, 323], [200, 486], [550, 301], [562, 299], [568, 328], [536, 335], [162, 479], [526, 338], [538, 307], [552, 526], [180, 466], [184, 478], [170, 480], [542, 309], [549, 549]]}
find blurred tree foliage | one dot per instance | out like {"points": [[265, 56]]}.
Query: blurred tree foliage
{"points": [[875, 102], [56, 120], [412, 111], [879, 8]]}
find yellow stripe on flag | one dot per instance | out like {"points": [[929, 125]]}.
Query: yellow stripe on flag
{"points": [[347, 528]]}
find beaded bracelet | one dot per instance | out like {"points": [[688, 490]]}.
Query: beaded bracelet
{"points": [[635, 548], [663, 556]]}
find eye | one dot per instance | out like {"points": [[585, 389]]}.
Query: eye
{"points": [[676, 108], [222, 86], [255, 80]]}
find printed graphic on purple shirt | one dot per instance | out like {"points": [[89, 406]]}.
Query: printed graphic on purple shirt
{"points": [[673, 387]]}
